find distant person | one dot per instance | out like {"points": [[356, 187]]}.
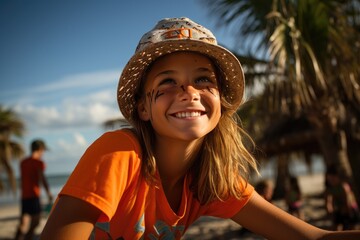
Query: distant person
{"points": [[265, 189], [340, 200], [32, 176], [293, 198]]}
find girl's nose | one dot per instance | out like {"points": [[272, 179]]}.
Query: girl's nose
{"points": [[189, 93]]}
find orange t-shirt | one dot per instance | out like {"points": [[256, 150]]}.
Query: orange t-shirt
{"points": [[30, 177], [108, 177]]}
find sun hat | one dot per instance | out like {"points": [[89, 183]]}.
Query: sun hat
{"points": [[172, 35]]}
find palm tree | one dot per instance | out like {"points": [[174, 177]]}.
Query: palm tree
{"points": [[312, 48], [10, 125]]}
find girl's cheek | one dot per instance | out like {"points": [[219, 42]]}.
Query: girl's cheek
{"points": [[154, 95], [213, 91], [157, 94]]}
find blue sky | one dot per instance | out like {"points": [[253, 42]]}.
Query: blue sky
{"points": [[60, 62]]}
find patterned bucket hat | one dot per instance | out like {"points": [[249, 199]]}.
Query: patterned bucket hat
{"points": [[173, 35]]}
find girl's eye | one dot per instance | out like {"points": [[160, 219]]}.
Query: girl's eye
{"points": [[167, 81], [204, 80]]}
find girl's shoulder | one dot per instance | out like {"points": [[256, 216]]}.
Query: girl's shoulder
{"points": [[118, 149], [117, 141], [123, 137]]}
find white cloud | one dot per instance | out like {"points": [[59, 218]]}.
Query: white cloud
{"points": [[66, 153], [80, 140], [70, 113], [73, 145], [41, 116], [82, 80], [106, 96], [72, 85], [69, 118], [89, 107]]}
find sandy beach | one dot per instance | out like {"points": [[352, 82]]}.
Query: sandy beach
{"points": [[207, 228]]}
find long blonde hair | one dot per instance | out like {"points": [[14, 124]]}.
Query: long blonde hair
{"points": [[223, 164]]}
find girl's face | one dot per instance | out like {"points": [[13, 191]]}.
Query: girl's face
{"points": [[182, 96]]}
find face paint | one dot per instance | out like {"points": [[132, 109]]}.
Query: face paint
{"points": [[211, 91], [150, 96], [153, 97], [157, 95]]}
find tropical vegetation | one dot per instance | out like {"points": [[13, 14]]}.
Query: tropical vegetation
{"points": [[302, 57], [11, 126]]}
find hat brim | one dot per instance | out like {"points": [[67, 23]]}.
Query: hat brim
{"points": [[232, 85]]}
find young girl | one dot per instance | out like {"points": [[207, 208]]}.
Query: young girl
{"points": [[184, 157]]}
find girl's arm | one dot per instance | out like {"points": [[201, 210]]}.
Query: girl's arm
{"points": [[267, 220], [71, 218]]}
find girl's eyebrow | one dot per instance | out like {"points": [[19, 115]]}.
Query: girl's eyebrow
{"points": [[166, 72], [204, 69], [200, 69]]}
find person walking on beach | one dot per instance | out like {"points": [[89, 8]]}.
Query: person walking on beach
{"points": [[32, 175], [183, 158], [265, 189], [293, 197], [340, 200]]}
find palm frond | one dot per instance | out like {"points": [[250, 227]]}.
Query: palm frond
{"points": [[10, 125]]}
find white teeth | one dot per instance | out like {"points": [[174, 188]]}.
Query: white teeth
{"points": [[187, 114]]}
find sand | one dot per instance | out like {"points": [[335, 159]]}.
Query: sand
{"points": [[207, 227]]}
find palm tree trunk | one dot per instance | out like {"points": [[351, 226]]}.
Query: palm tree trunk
{"points": [[334, 149], [5, 163], [8, 168]]}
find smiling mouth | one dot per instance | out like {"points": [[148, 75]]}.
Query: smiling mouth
{"points": [[188, 114]]}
